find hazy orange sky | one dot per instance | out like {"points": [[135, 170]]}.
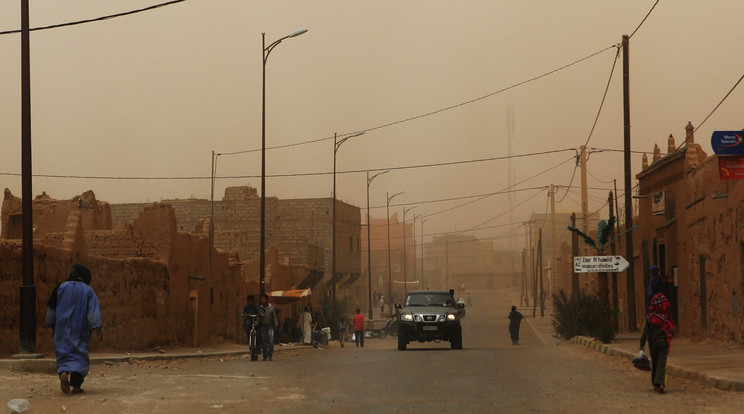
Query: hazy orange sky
{"points": [[151, 95]]}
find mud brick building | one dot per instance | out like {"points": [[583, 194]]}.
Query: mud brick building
{"points": [[300, 229], [153, 282], [691, 225]]}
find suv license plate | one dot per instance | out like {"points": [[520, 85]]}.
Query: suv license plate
{"points": [[430, 328]]}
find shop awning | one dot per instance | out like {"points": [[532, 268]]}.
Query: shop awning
{"points": [[282, 297]]}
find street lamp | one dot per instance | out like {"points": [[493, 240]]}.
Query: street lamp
{"points": [[423, 220], [390, 269], [211, 215], [369, 249], [405, 270], [265, 52], [336, 145], [414, 244]]}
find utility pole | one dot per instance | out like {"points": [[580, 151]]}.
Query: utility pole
{"points": [[540, 272], [630, 272], [413, 230], [584, 190], [533, 254], [422, 253], [446, 262], [610, 202], [532, 262], [553, 235], [27, 298], [522, 293], [574, 253]]}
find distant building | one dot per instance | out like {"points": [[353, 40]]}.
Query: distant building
{"points": [[301, 230]]}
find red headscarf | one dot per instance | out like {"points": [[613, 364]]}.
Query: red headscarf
{"points": [[659, 315]]}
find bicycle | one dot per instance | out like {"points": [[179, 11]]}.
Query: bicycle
{"points": [[252, 336]]}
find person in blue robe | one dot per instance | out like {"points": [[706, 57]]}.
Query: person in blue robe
{"points": [[73, 313]]}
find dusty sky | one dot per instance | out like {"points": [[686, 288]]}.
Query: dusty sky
{"points": [[153, 94]]}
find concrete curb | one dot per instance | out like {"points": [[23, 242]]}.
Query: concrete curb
{"points": [[672, 369], [49, 365]]}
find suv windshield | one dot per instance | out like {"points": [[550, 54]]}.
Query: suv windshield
{"points": [[429, 299]]}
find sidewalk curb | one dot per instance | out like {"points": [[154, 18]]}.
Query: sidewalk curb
{"points": [[672, 369], [49, 365]]}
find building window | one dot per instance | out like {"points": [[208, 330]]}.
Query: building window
{"points": [[351, 245]]}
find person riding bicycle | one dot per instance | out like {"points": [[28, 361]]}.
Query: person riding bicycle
{"points": [[252, 308]]}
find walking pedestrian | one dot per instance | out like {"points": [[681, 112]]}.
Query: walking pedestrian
{"points": [[305, 323], [655, 284], [269, 323], [515, 319], [659, 330], [73, 313], [359, 328], [343, 328]]}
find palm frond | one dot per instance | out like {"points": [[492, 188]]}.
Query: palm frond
{"points": [[588, 240], [604, 231]]}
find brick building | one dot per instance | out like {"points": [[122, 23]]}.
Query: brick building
{"points": [[153, 282], [396, 270], [691, 225], [300, 229]]}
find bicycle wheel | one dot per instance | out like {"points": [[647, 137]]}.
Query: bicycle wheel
{"points": [[252, 341]]}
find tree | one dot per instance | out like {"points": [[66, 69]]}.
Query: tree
{"points": [[604, 232]]}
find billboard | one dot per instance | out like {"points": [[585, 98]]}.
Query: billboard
{"points": [[731, 167], [728, 142]]}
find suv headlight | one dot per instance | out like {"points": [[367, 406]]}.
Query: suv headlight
{"points": [[406, 317], [451, 317]]}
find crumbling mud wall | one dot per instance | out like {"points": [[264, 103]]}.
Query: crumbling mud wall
{"points": [[50, 215], [170, 296]]}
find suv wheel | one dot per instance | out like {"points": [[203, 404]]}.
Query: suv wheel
{"points": [[402, 341], [456, 340]]}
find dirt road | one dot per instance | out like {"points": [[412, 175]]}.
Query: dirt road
{"points": [[488, 375]]}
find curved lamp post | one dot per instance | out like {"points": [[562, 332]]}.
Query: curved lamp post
{"points": [[336, 145], [390, 269], [266, 50], [369, 249], [211, 214], [405, 270], [423, 220]]}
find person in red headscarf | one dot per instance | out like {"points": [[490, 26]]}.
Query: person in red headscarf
{"points": [[659, 330]]}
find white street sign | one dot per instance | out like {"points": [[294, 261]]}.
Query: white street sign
{"points": [[595, 264]]}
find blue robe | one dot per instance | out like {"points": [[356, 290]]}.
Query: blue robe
{"points": [[76, 315]]}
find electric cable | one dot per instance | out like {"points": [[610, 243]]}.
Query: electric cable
{"points": [[427, 114], [407, 167], [97, 19], [644, 19]]}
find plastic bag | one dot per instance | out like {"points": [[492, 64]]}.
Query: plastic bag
{"points": [[18, 405], [641, 361]]}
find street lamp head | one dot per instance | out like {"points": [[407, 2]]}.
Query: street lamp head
{"points": [[338, 143], [369, 180], [298, 32], [391, 197]]}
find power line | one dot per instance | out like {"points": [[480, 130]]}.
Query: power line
{"points": [[720, 103], [507, 188], [97, 19], [297, 174], [644, 19], [596, 119], [427, 114]]}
